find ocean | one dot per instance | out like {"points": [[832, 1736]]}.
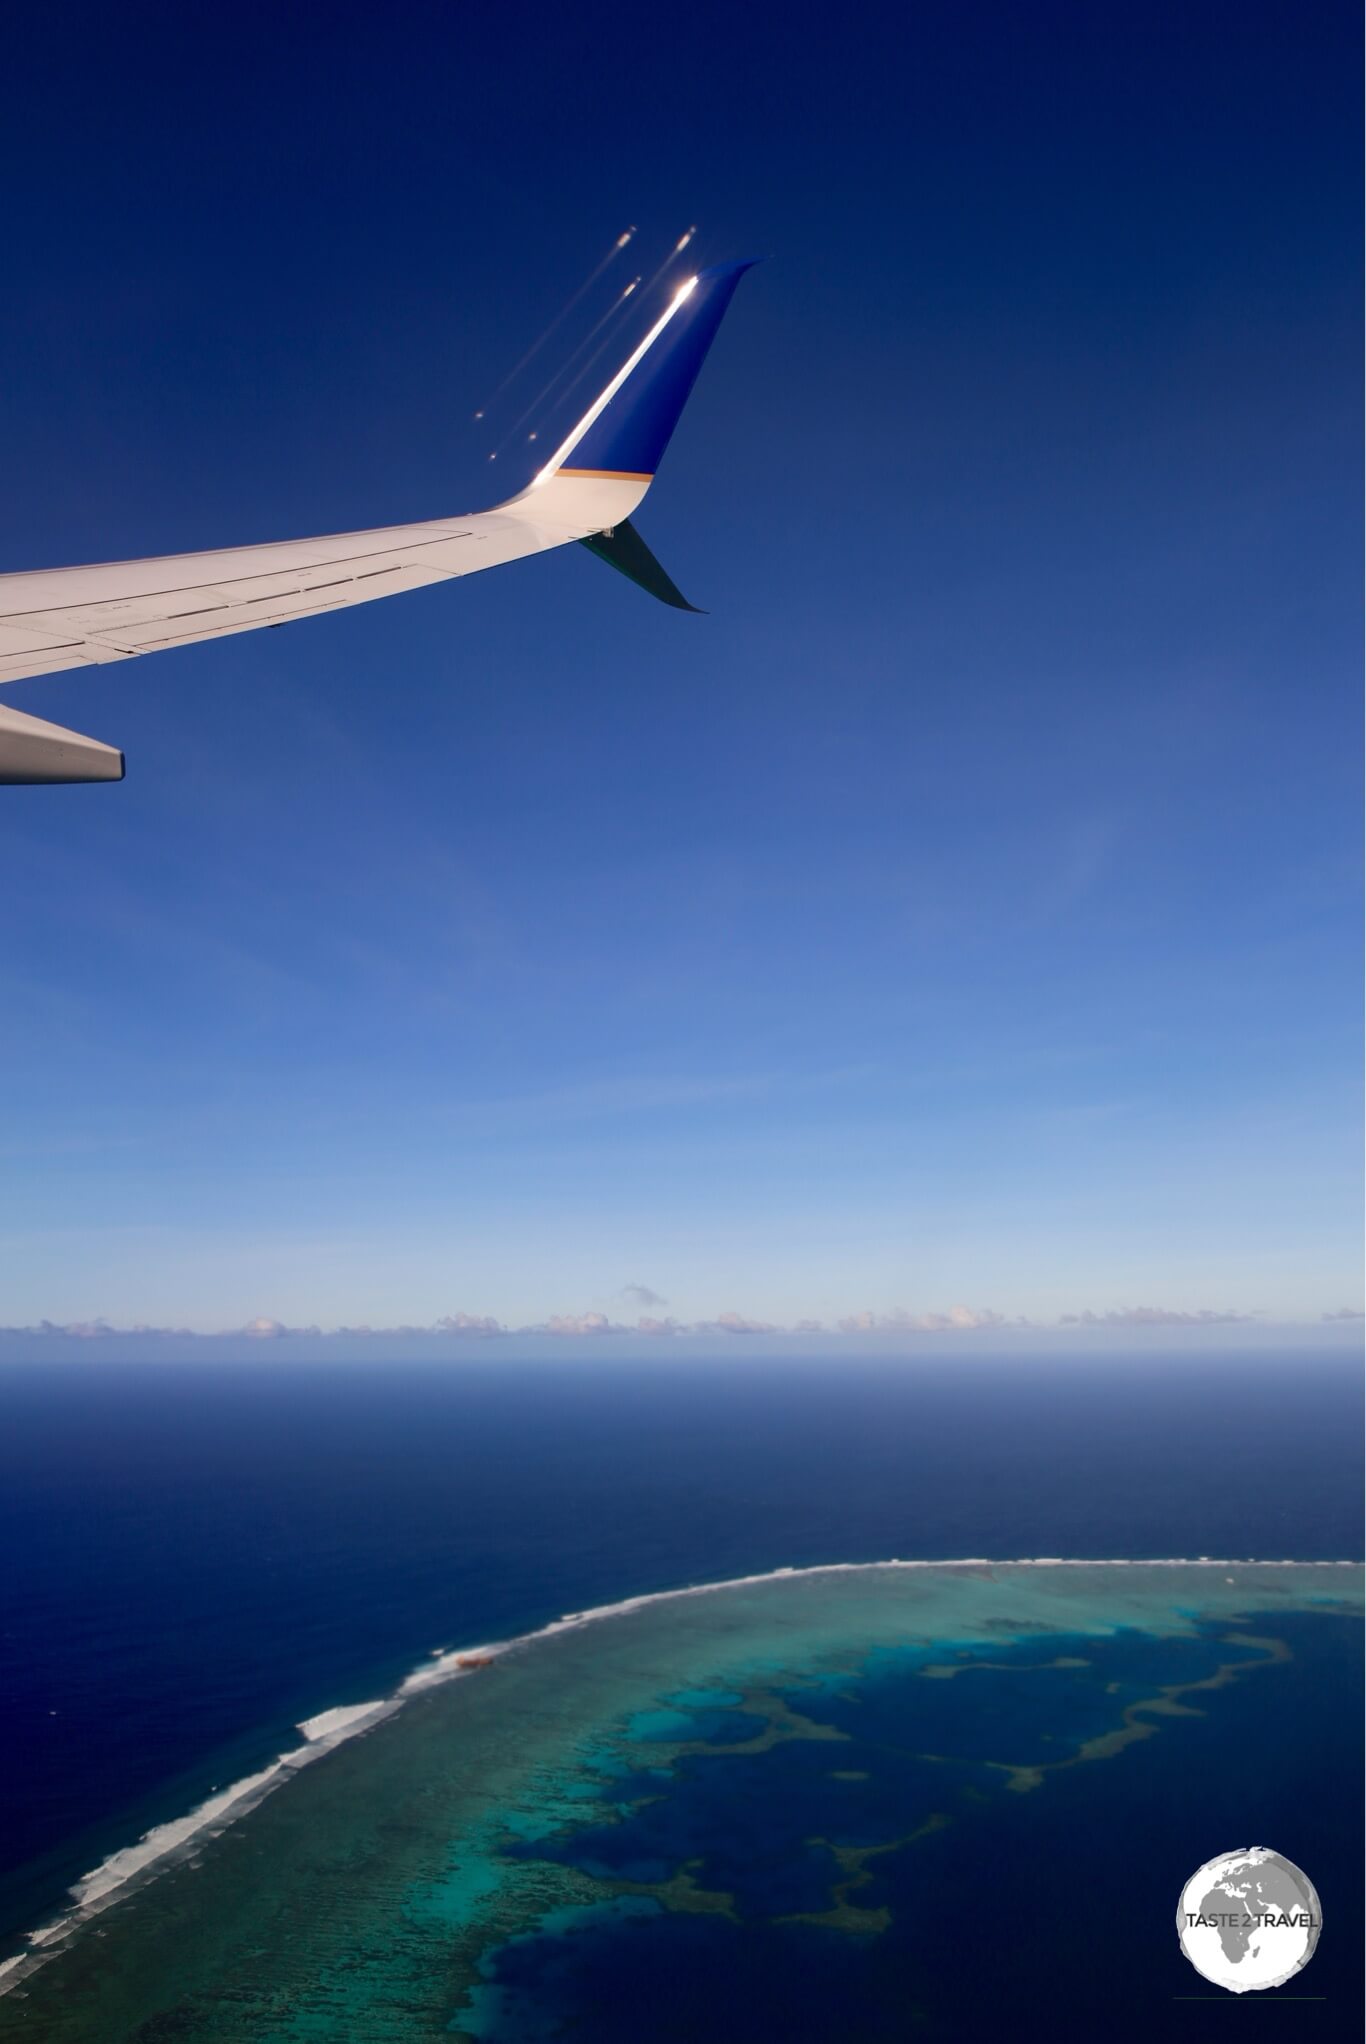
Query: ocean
{"points": [[201, 1557]]}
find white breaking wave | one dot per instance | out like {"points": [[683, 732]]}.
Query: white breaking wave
{"points": [[346, 1717], [168, 1844]]}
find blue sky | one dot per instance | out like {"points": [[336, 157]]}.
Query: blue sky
{"points": [[964, 912]]}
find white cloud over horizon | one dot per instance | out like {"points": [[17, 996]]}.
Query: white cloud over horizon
{"points": [[596, 1325], [961, 1317], [1157, 1316]]}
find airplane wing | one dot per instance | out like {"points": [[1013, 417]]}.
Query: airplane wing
{"points": [[62, 618]]}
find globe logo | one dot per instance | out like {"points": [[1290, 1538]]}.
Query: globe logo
{"points": [[1249, 1919]]}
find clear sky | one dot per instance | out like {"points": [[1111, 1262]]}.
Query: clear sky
{"points": [[964, 912]]}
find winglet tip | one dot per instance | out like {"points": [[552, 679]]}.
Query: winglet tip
{"points": [[735, 268]]}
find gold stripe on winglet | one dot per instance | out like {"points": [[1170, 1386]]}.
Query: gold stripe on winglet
{"points": [[607, 475]]}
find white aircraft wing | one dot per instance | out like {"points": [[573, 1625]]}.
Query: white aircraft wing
{"points": [[63, 618]]}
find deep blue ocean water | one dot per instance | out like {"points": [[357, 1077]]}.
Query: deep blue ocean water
{"points": [[196, 1556]]}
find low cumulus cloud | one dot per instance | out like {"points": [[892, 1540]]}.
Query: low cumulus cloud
{"points": [[475, 1326], [95, 1330], [576, 1324], [899, 1321], [651, 1325], [1156, 1316], [263, 1328], [1346, 1313], [479, 1327]]}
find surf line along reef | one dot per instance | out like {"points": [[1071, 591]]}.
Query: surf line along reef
{"points": [[581, 1791]]}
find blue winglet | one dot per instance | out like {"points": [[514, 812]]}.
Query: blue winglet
{"points": [[630, 433]]}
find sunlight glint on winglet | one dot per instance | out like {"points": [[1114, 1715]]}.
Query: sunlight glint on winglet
{"points": [[567, 446]]}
